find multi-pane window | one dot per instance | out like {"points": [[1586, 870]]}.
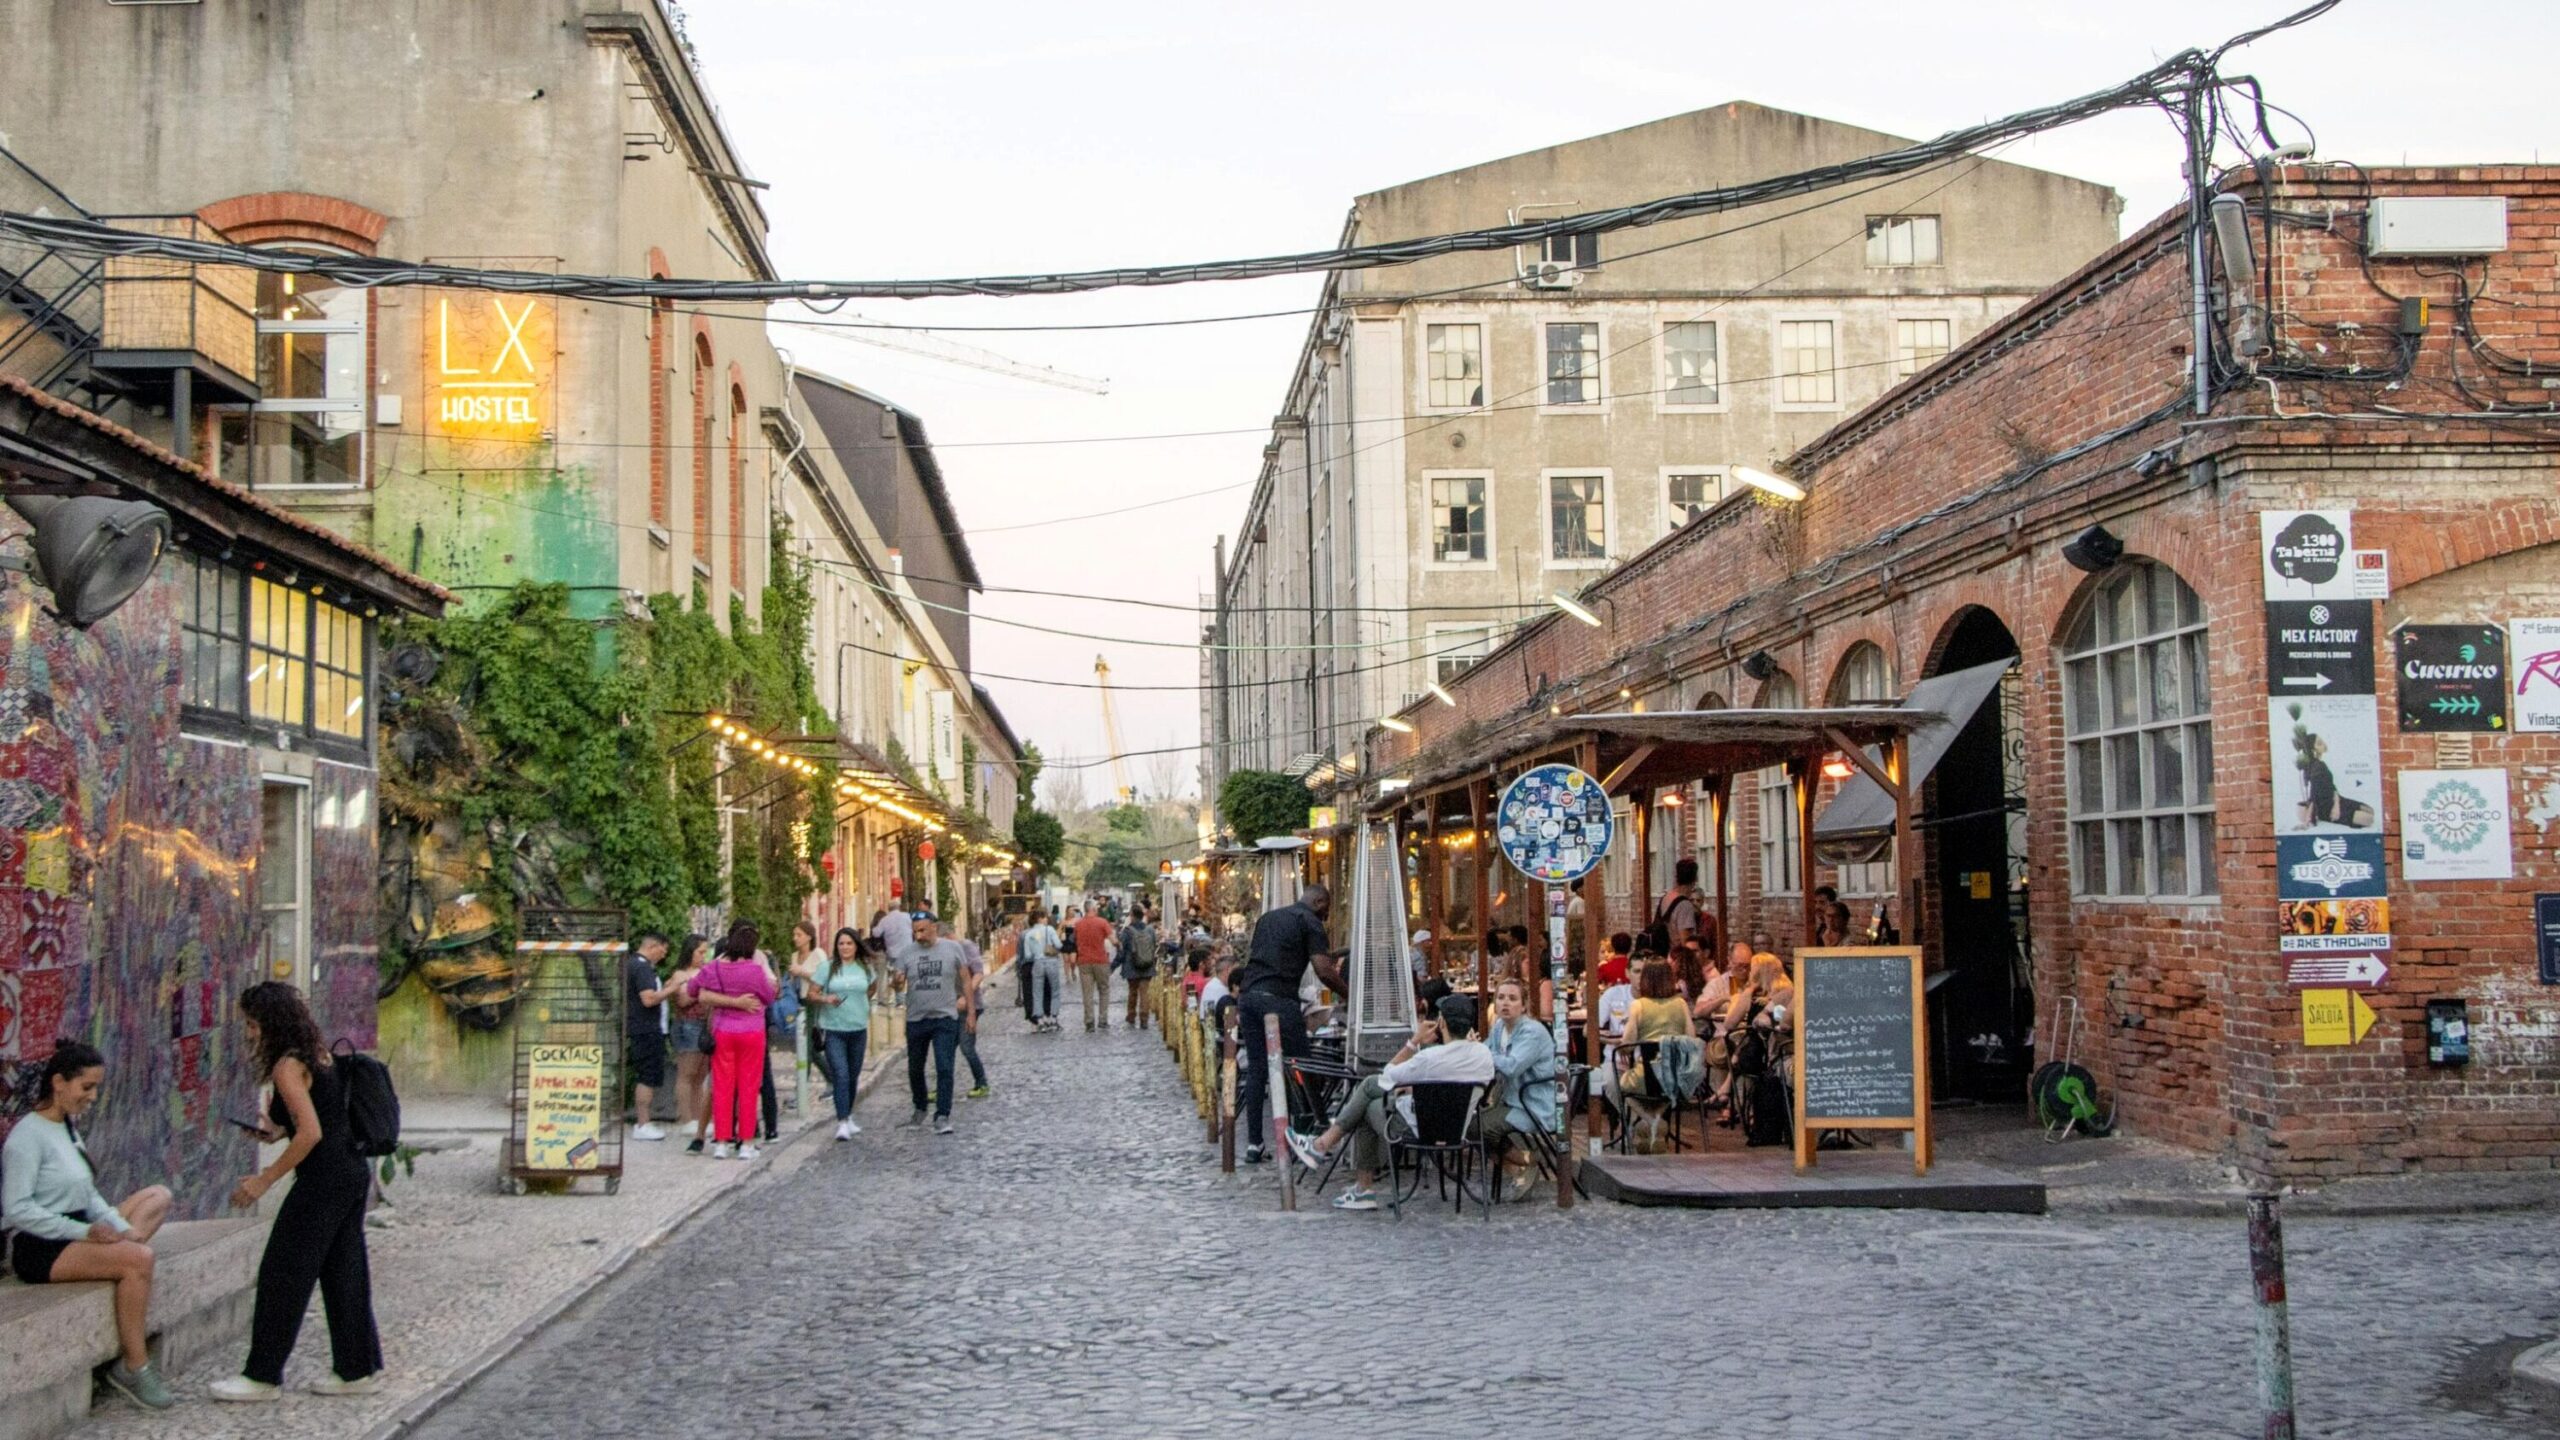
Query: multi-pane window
{"points": [[1864, 678], [1455, 354], [1453, 648], [1688, 494], [1573, 363], [1689, 374], [260, 656], [1457, 520], [1902, 240], [1781, 868], [308, 425], [1577, 518], [1582, 252], [284, 891], [213, 635], [1917, 344], [1805, 363], [2137, 718]]}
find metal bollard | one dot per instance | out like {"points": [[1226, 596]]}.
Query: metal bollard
{"points": [[1275, 1105], [2275, 1330]]}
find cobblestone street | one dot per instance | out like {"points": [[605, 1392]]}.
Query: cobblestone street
{"points": [[1071, 1263]]}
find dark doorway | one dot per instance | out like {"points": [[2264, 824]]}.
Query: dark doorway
{"points": [[1984, 1013]]}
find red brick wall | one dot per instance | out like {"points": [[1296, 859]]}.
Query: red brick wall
{"points": [[1933, 501]]}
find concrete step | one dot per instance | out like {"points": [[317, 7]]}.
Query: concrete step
{"points": [[53, 1336]]}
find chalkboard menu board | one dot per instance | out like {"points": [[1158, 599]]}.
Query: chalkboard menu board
{"points": [[1861, 1062]]}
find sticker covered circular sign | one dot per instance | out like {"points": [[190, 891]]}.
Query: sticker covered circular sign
{"points": [[1554, 823]]}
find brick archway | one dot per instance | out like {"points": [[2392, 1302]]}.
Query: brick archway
{"points": [[282, 217]]}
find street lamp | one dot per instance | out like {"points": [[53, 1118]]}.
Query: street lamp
{"points": [[1766, 483], [92, 551]]}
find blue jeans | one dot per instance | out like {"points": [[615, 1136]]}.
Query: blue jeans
{"points": [[841, 1053], [942, 1032]]}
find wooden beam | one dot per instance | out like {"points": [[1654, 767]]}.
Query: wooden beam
{"points": [[1486, 854], [1859, 757], [1625, 767], [1809, 771]]}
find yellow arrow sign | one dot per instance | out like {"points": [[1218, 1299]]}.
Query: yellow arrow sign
{"points": [[2334, 1017]]}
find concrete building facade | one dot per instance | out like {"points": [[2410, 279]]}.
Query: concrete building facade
{"points": [[1460, 438]]}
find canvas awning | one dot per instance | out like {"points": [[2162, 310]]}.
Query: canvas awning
{"points": [[1860, 810]]}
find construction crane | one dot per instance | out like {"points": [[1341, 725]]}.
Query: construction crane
{"points": [[950, 352], [1121, 789]]}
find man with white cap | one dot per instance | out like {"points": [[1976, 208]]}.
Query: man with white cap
{"points": [[1421, 956]]}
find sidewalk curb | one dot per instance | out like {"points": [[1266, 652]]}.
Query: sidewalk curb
{"points": [[2299, 1207], [767, 1166], [2540, 1366]]}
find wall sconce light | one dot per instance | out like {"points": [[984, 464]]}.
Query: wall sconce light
{"points": [[1760, 665], [2095, 550]]}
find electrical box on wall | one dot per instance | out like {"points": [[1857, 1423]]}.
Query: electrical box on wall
{"points": [[2436, 225]]}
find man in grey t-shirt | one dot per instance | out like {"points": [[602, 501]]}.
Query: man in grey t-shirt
{"points": [[934, 973]]}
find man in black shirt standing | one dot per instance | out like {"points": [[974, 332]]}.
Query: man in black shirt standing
{"points": [[1285, 942], [643, 992]]}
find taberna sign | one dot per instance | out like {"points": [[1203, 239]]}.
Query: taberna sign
{"points": [[2305, 554]]}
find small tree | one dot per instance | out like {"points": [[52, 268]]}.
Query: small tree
{"points": [[1114, 865], [1040, 838], [1259, 803]]}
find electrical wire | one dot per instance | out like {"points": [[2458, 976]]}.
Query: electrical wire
{"points": [[2152, 87]]}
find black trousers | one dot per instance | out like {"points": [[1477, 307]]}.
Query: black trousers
{"points": [[771, 1101], [317, 1239], [1253, 1069]]}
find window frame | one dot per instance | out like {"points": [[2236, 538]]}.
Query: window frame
{"points": [[1938, 237], [300, 967], [1431, 517], [1773, 800], [1439, 635], [1900, 373], [1663, 404], [241, 722], [1422, 402], [1599, 367], [1872, 879], [1778, 363], [357, 405], [2190, 647], [1608, 516], [1722, 476]]}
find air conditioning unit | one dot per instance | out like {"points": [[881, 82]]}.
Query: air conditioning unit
{"points": [[1550, 275]]}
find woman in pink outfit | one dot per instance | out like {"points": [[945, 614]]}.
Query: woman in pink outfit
{"points": [[736, 986]]}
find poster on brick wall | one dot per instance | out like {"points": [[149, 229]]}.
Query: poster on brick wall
{"points": [[2534, 653], [2306, 554], [2454, 825], [2326, 765], [2452, 677]]}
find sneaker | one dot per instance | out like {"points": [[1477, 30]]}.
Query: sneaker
{"points": [[332, 1385], [915, 1121], [748, 1152], [695, 1148], [844, 1130], [723, 1151], [240, 1389], [1303, 1146], [941, 1124], [853, 1127], [1356, 1200], [647, 1132], [1253, 1155], [143, 1387], [980, 1092]]}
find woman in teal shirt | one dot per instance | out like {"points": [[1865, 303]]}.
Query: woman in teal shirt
{"points": [[838, 992]]}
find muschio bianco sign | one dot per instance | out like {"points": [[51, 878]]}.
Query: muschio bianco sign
{"points": [[491, 364]]}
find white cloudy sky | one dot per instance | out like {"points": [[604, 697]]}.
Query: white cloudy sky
{"points": [[998, 138]]}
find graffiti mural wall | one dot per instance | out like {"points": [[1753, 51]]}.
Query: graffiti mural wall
{"points": [[345, 878]]}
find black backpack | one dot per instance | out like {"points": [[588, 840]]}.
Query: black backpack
{"points": [[1141, 958], [373, 1106], [1657, 936]]}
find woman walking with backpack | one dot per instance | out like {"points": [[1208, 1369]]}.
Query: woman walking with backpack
{"points": [[318, 1235], [737, 987]]}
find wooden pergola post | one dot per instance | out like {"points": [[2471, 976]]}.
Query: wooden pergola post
{"points": [[1640, 888], [1808, 772], [1719, 800], [1486, 851]]}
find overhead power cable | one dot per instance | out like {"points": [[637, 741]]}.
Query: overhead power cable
{"points": [[2155, 86]]}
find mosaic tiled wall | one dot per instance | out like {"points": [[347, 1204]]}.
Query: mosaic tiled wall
{"points": [[128, 889], [345, 883]]}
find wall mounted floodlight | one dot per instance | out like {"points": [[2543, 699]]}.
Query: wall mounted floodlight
{"points": [[1399, 726], [1768, 484], [2249, 338], [93, 552], [1567, 604], [1760, 665], [2095, 550]]}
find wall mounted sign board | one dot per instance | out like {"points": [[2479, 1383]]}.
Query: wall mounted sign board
{"points": [[2455, 825], [2452, 677], [2305, 554], [2319, 647], [2534, 650]]}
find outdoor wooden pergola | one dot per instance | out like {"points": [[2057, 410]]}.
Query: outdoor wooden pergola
{"points": [[1639, 754]]}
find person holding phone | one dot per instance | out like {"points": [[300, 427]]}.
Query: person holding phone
{"points": [[1444, 1048], [62, 1230], [318, 1234], [689, 1036]]}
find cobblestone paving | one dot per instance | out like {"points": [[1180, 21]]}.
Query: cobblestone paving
{"points": [[1071, 1263]]}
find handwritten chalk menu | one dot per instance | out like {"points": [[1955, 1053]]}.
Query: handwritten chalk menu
{"points": [[1861, 1059], [564, 1107]]}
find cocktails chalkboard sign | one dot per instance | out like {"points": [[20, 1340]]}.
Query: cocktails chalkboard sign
{"points": [[1862, 1055]]}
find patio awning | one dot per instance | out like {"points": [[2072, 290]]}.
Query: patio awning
{"points": [[1640, 749], [1860, 809]]}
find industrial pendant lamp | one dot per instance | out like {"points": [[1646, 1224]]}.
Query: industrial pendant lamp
{"points": [[93, 552]]}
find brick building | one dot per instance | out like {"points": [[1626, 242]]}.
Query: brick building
{"points": [[2107, 830]]}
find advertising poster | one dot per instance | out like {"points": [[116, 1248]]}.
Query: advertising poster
{"points": [[2329, 867], [2452, 677], [2319, 647], [2334, 926], [2534, 648], [2327, 765], [2305, 554], [2454, 825], [564, 1107]]}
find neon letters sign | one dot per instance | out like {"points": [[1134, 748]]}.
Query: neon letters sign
{"points": [[490, 365]]}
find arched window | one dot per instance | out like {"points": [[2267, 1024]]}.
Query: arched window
{"points": [[737, 489], [1864, 678], [702, 438], [1781, 870], [661, 319], [2137, 719]]}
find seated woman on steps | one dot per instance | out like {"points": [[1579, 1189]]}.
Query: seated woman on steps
{"points": [[61, 1229]]}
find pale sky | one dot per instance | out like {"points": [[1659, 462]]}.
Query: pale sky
{"points": [[1001, 138]]}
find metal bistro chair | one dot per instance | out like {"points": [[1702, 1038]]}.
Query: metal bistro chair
{"points": [[1443, 1134], [1546, 1147], [1660, 1096], [1318, 1083]]}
